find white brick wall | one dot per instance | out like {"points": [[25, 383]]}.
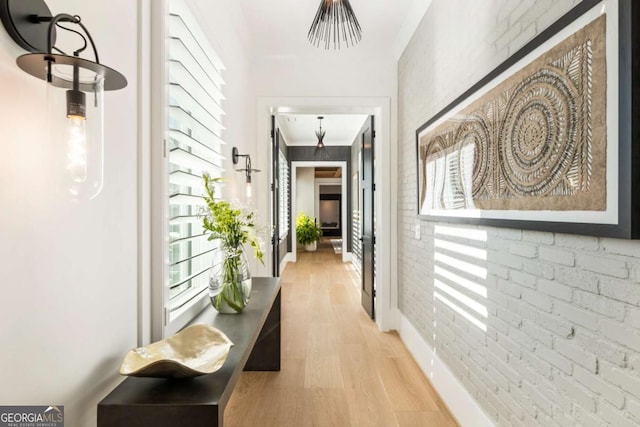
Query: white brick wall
{"points": [[562, 339]]}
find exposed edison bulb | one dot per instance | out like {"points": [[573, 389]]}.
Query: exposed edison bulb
{"points": [[76, 119], [77, 149]]}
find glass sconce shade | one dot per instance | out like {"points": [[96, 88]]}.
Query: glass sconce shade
{"points": [[248, 170], [77, 126], [76, 114]]}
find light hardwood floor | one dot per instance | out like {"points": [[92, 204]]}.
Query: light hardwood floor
{"points": [[337, 368]]}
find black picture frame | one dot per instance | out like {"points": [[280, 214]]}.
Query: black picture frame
{"points": [[628, 225]]}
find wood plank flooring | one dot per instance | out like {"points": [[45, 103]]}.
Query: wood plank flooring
{"points": [[338, 369]]}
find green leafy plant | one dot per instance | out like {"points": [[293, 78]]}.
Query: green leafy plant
{"points": [[307, 231], [234, 228]]}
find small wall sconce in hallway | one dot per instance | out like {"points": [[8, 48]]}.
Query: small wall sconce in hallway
{"points": [[248, 170], [79, 123]]}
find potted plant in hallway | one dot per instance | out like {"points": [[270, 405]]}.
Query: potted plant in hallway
{"points": [[307, 232], [229, 277]]}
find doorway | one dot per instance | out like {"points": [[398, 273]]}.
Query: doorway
{"points": [[329, 212], [329, 201], [385, 199], [299, 168]]}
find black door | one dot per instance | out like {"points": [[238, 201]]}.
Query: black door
{"points": [[367, 219], [275, 200]]}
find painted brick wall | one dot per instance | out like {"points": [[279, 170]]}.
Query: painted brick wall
{"points": [[554, 333]]}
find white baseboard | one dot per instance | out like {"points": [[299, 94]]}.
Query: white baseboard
{"points": [[463, 407], [347, 257], [289, 257]]}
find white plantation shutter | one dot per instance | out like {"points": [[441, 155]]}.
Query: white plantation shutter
{"points": [[356, 249], [284, 220], [194, 145]]}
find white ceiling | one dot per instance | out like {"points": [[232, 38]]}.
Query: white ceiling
{"points": [[341, 129], [280, 27]]}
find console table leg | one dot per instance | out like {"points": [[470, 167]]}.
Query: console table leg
{"points": [[266, 352]]}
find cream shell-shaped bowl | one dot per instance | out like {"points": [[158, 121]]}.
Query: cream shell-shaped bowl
{"points": [[196, 350]]}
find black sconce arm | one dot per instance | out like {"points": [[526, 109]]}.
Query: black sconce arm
{"points": [[23, 20], [74, 19]]}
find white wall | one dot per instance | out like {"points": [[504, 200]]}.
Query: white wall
{"points": [[68, 269], [331, 74], [562, 339]]}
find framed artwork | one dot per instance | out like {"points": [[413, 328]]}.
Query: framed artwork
{"points": [[549, 139]]}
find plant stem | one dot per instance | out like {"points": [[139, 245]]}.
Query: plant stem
{"points": [[232, 292]]}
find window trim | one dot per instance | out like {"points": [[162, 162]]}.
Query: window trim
{"points": [[164, 321]]}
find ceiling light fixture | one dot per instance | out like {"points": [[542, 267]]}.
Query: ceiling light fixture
{"points": [[78, 122], [334, 20], [320, 151], [320, 135]]}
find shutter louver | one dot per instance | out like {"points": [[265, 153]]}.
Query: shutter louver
{"points": [[195, 120]]}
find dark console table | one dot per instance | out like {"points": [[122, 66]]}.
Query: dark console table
{"points": [[201, 401]]}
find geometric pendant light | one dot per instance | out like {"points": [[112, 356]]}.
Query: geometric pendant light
{"points": [[334, 21], [320, 152]]}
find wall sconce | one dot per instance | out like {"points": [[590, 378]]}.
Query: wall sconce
{"points": [[247, 168], [78, 122]]}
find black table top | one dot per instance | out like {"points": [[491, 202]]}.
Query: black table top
{"points": [[212, 389]]}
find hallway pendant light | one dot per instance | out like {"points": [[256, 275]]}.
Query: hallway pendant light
{"points": [[320, 135], [76, 118], [334, 21], [320, 151]]}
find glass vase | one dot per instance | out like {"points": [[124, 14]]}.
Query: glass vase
{"points": [[230, 281]]}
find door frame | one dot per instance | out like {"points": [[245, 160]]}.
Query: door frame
{"points": [[275, 195], [321, 182], [293, 255], [386, 306]]}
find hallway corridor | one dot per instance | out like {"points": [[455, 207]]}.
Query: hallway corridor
{"points": [[338, 369]]}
